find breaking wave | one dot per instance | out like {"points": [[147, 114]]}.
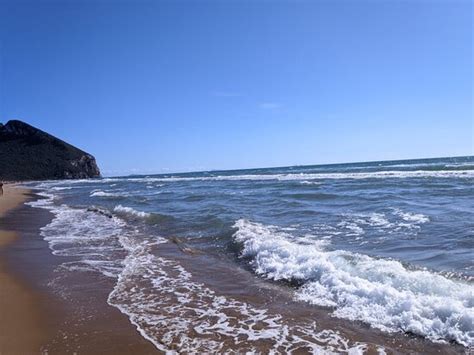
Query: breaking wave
{"points": [[100, 193], [382, 293], [131, 212]]}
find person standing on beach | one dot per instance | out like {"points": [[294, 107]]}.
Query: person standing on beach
{"points": [[1, 188]]}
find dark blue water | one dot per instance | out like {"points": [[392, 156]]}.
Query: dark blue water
{"points": [[400, 231]]}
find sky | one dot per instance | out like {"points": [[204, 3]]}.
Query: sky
{"points": [[169, 86]]}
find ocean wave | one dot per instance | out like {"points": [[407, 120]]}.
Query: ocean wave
{"points": [[318, 176], [415, 218], [191, 317], [100, 193], [306, 182], [84, 234], [45, 201], [395, 221], [303, 178], [382, 293], [59, 188], [129, 211]]}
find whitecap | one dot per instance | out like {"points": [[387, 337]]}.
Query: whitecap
{"points": [[131, 212], [414, 218], [397, 220], [100, 193], [380, 292], [306, 182]]}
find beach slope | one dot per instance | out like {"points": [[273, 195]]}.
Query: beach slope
{"points": [[20, 328]]}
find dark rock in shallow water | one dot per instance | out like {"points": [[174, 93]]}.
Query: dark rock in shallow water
{"points": [[27, 153]]}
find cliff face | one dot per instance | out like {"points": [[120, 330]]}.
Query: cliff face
{"points": [[27, 153]]}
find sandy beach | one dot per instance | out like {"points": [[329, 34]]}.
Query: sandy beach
{"points": [[18, 303], [35, 319]]}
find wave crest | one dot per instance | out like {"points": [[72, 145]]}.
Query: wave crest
{"points": [[380, 292], [129, 211]]}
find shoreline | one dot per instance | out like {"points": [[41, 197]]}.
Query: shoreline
{"points": [[36, 318]]}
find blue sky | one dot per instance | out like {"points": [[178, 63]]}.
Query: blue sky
{"points": [[157, 86]]}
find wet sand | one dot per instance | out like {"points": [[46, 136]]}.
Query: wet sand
{"points": [[42, 311], [20, 328], [240, 284]]}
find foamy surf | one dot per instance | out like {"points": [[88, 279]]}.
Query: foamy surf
{"points": [[385, 223], [192, 318], [382, 293], [88, 235], [129, 211], [160, 297], [100, 193]]}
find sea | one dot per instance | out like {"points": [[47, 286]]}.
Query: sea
{"points": [[221, 261]]}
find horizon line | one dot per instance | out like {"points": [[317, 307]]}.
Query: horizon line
{"points": [[291, 166]]}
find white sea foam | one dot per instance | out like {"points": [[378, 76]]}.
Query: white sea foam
{"points": [[382, 293], [375, 220], [413, 218], [353, 229], [100, 193], [195, 319], [46, 200], [191, 318], [131, 212], [59, 188], [306, 182], [89, 236], [394, 221]]}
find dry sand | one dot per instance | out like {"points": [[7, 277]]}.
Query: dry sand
{"points": [[20, 325]]}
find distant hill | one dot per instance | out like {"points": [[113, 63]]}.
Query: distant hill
{"points": [[27, 153]]}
